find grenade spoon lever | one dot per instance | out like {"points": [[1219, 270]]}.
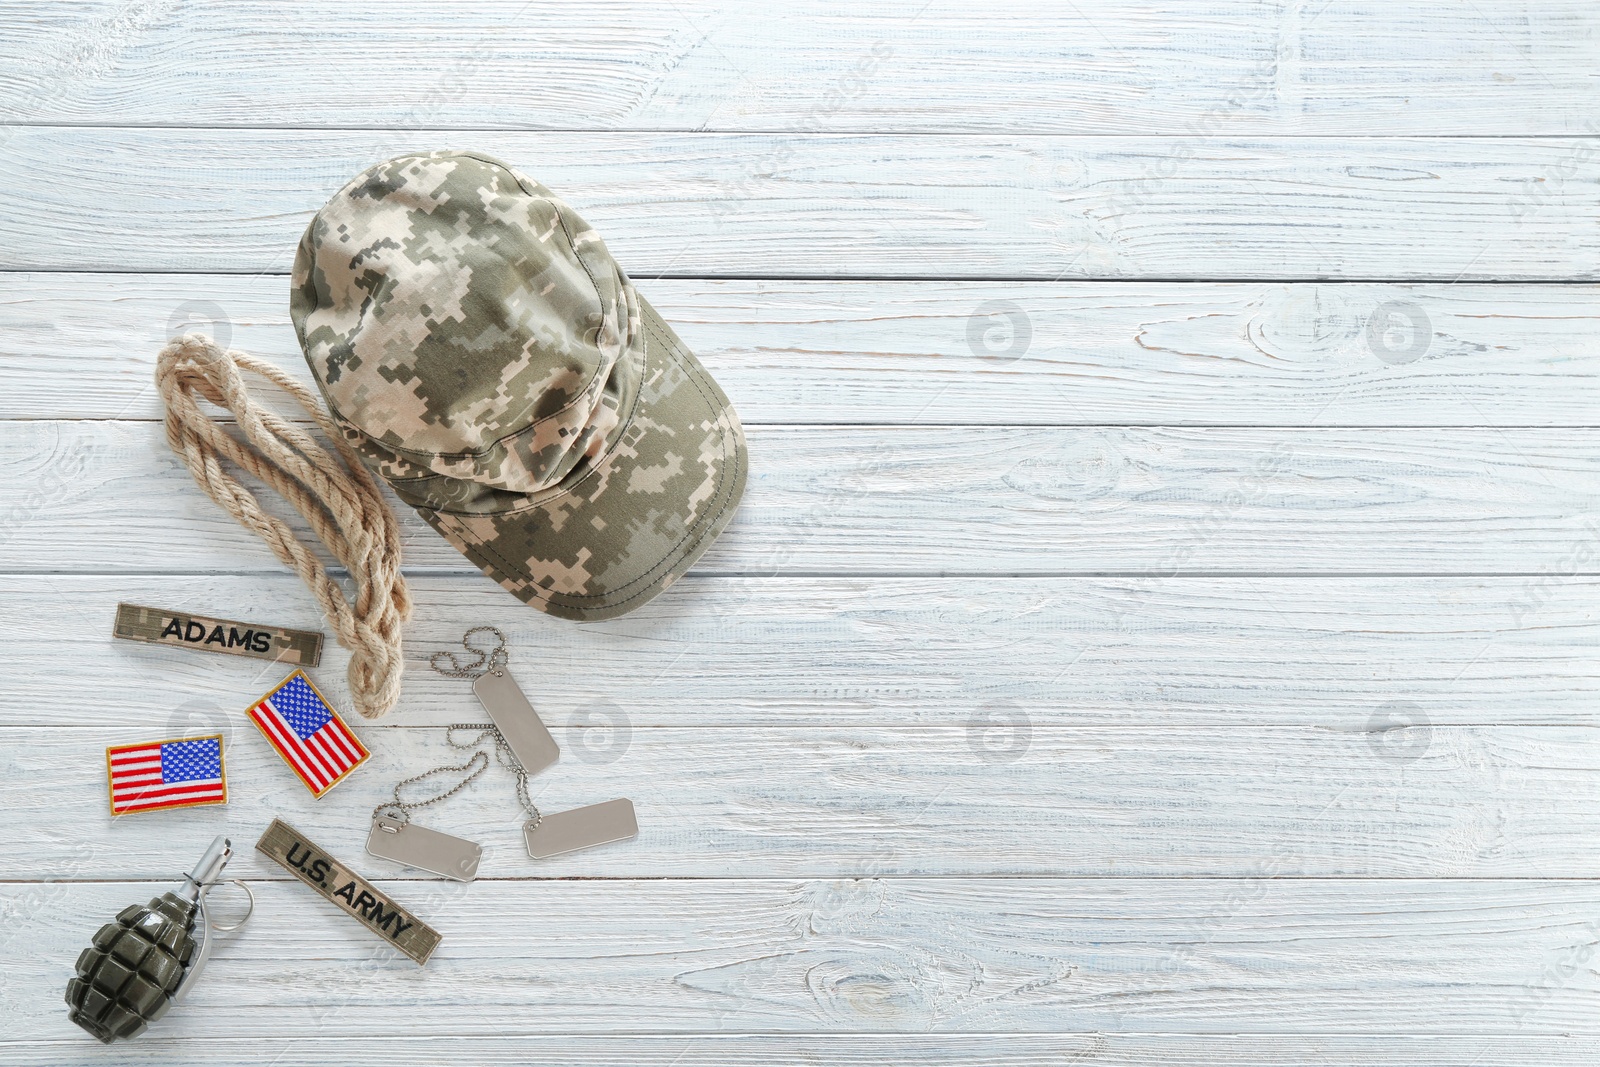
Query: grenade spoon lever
{"points": [[196, 887]]}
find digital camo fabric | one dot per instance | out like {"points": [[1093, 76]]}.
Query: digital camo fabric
{"points": [[479, 346], [463, 319]]}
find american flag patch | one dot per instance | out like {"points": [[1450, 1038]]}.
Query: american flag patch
{"points": [[308, 733], [183, 773]]}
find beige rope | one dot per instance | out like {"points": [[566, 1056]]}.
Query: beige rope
{"points": [[340, 501]]}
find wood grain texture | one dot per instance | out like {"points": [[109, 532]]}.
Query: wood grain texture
{"points": [[1117, 66], [111, 496], [819, 653], [1160, 626], [1261, 955], [83, 346], [793, 205], [514, 1046], [998, 797]]}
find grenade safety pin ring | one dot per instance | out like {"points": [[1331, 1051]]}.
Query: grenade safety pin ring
{"points": [[147, 959], [219, 928]]}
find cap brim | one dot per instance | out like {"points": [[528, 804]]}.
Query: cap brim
{"points": [[640, 517]]}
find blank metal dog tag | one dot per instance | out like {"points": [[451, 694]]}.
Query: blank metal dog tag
{"points": [[516, 720], [568, 831], [420, 847]]}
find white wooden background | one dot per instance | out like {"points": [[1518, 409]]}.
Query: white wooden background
{"points": [[1161, 624]]}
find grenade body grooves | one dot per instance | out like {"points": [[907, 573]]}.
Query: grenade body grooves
{"points": [[126, 979]]}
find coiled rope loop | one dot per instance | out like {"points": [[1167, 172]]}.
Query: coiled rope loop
{"points": [[341, 501]]}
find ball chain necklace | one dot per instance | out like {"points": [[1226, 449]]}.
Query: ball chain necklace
{"points": [[523, 745]]}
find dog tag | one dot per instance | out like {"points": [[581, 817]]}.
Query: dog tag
{"points": [[568, 831], [425, 849], [516, 720]]}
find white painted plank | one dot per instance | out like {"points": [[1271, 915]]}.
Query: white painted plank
{"points": [[111, 496], [847, 1050], [947, 955], [84, 346], [1356, 67], [808, 653], [791, 205], [994, 798]]}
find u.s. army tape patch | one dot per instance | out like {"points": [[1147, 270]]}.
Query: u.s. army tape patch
{"points": [[352, 893], [158, 626]]}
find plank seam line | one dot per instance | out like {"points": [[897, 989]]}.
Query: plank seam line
{"points": [[1042, 278], [937, 279], [108, 420], [1330, 879], [999, 133], [942, 574]]}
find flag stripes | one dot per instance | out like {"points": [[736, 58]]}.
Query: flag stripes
{"points": [[308, 734]]}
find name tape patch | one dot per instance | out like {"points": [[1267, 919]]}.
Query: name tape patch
{"points": [[158, 626], [353, 894]]}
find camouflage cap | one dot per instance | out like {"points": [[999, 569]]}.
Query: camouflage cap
{"points": [[478, 345]]}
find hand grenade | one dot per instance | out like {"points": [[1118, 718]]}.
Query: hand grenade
{"points": [[140, 964]]}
